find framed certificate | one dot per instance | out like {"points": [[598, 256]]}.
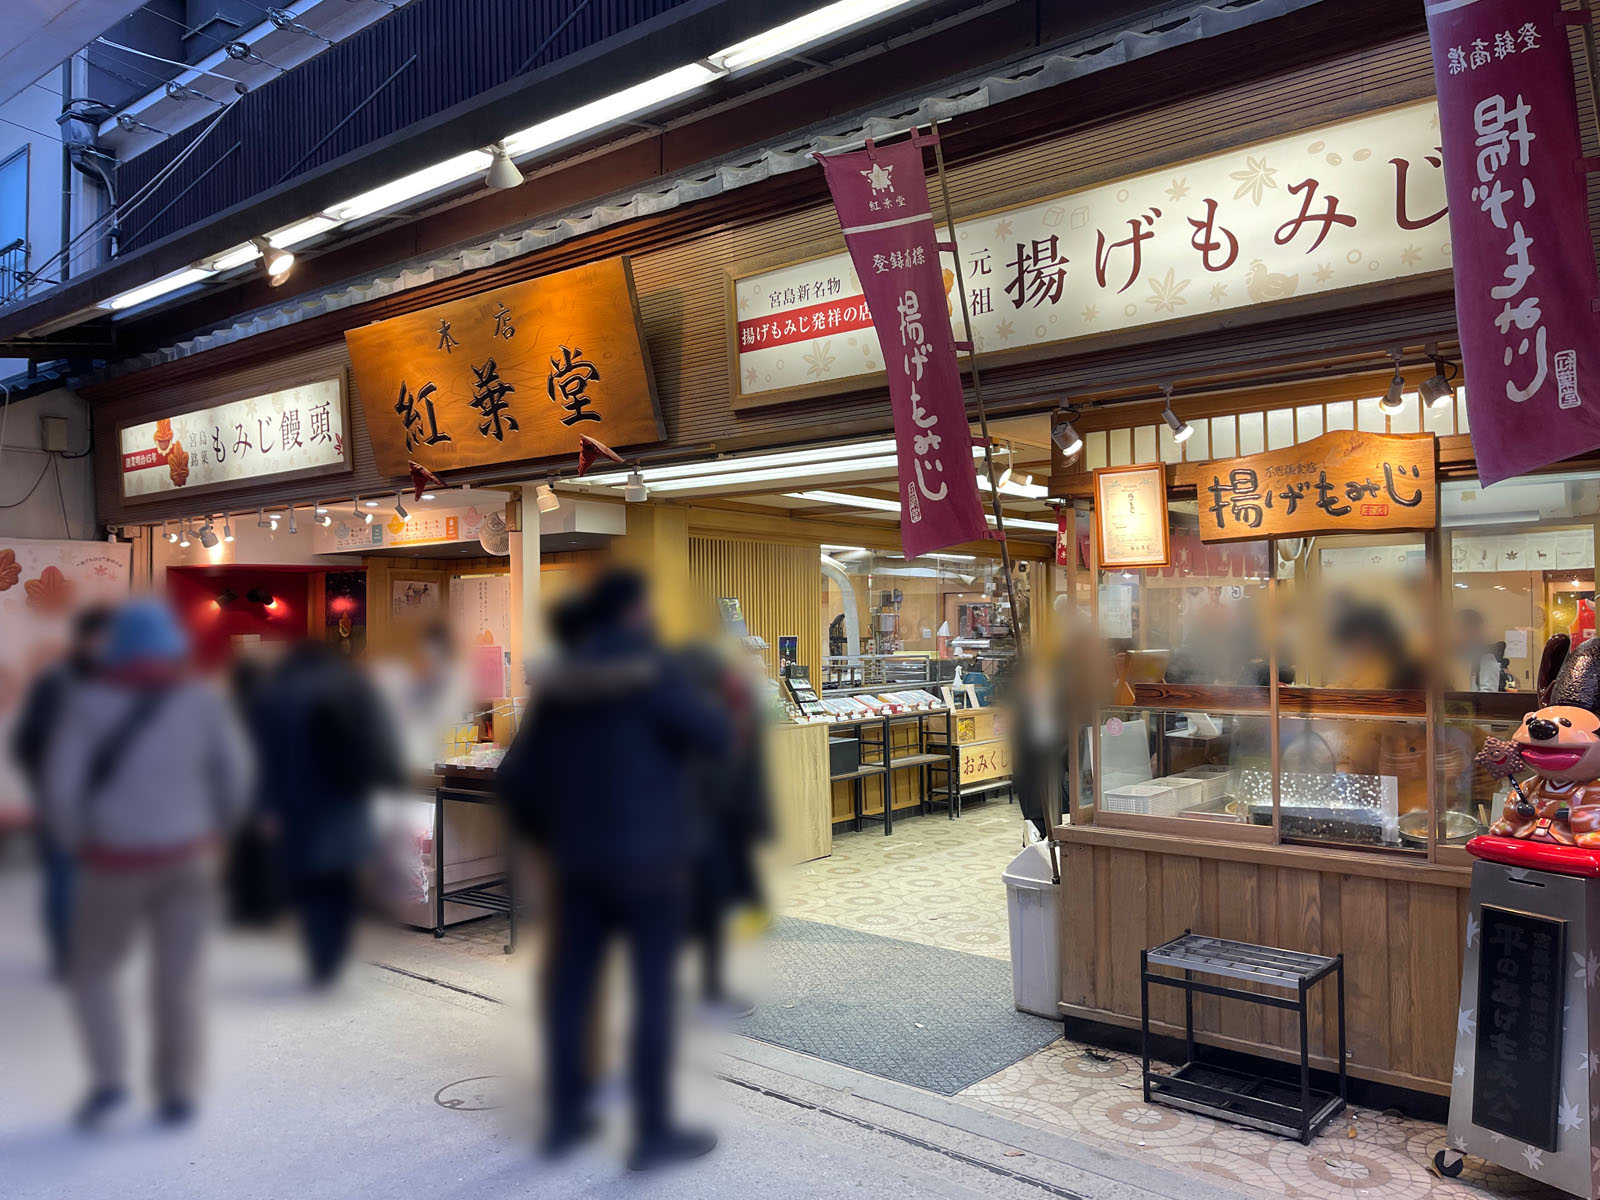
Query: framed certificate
{"points": [[1130, 516]]}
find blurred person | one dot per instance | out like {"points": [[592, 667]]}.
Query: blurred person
{"points": [[1369, 652], [251, 879], [1479, 666], [729, 788], [596, 779], [148, 773], [37, 723], [426, 694], [325, 744]]}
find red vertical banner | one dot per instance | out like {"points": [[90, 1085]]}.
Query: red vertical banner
{"points": [[1064, 536], [881, 196], [1525, 280]]}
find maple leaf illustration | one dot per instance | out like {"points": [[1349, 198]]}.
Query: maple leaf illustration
{"points": [[10, 571], [1410, 256], [51, 592], [1167, 293], [1177, 190], [1533, 1156], [819, 362], [1323, 273], [1569, 1117], [1090, 312], [1255, 179]]}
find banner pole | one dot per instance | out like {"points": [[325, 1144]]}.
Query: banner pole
{"points": [[977, 395]]}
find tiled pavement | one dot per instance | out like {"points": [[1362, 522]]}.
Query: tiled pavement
{"points": [[937, 882]]}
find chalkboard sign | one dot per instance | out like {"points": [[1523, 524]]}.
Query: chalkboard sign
{"points": [[1517, 1080]]}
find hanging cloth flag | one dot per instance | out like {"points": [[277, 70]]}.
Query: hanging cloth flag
{"points": [[881, 196], [1514, 175]]}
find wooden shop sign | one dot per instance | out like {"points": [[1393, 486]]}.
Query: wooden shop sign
{"points": [[1342, 482], [513, 374]]}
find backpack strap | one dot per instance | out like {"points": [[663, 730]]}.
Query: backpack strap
{"points": [[113, 748]]}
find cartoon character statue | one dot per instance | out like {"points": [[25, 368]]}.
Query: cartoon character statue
{"points": [[1560, 743]]}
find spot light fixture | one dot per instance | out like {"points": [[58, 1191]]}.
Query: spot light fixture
{"points": [[208, 535], [546, 498], [1065, 435], [183, 534], [227, 528], [635, 492], [278, 262], [1393, 401], [502, 173], [400, 508], [1182, 431], [1439, 391]]}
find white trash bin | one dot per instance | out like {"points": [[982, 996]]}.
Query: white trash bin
{"points": [[1031, 905]]}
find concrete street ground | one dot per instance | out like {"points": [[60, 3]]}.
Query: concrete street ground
{"points": [[415, 1078]]}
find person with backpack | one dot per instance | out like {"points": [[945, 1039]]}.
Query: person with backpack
{"points": [[325, 745], [147, 773]]}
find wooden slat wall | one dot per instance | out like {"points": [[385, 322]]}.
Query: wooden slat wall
{"points": [[1403, 942], [779, 588]]}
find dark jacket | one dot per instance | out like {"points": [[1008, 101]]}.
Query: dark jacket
{"points": [[324, 742], [596, 775], [40, 718]]}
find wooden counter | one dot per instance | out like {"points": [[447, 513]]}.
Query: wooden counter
{"points": [[1399, 922], [797, 775]]}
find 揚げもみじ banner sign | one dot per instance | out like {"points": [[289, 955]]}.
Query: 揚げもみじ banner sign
{"points": [[1334, 207]]}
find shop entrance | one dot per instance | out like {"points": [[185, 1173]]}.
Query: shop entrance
{"points": [[891, 772]]}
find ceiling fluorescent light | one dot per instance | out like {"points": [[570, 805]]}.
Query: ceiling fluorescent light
{"points": [[235, 257], [885, 462], [817, 25], [607, 109], [409, 187], [159, 287], [838, 457], [845, 500], [1025, 490], [301, 231]]}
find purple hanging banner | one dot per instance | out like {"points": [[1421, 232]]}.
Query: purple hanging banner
{"points": [[1519, 230], [881, 196]]}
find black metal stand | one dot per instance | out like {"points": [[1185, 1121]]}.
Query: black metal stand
{"points": [[1258, 1101], [497, 894]]}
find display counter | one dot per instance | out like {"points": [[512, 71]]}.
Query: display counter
{"points": [[797, 773], [409, 823]]}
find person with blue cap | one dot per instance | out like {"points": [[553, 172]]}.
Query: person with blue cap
{"points": [[144, 777]]}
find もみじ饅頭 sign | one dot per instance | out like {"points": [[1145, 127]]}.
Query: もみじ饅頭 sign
{"points": [[516, 373], [1343, 482], [299, 430], [1333, 207]]}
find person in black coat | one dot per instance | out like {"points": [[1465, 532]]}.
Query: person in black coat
{"points": [[596, 779], [37, 724], [325, 744]]}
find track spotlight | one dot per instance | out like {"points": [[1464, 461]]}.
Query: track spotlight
{"points": [[1182, 431], [1065, 435], [635, 491], [355, 511], [502, 171], [323, 517], [227, 528], [1439, 392], [183, 534], [261, 518], [1005, 476], [277, 262], [546, 498], [208, 535], [400, 508], [293, 527], [320, 509], [226, 597], [260, 596], [1392, 400], [172, 534]]}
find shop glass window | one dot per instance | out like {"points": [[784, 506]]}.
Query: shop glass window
{"points": [[1199, 622], [941, 606], [1520, 568], [1354, 612], [1354, 781], [1198, 765], [1470, 799]]}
